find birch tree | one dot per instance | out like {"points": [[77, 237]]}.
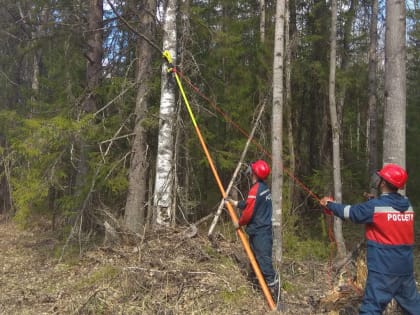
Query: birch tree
{"points": [[135, 206], [164, 182], [395, 84], [277, 133], [335, 126]]}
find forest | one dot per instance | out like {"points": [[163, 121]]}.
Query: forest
{"points": [[120, 120]]}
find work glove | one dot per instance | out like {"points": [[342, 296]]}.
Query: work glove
{"points": [[324, 202], [232, 202]]}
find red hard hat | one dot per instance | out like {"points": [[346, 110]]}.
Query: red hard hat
{"points": [[261, 169], [393, 174]]}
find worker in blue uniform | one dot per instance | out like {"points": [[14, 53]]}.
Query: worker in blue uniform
{"points": [[256, 215], [389, 232]]}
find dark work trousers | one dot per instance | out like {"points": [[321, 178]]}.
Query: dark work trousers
{"points": [[262, 244], [380, 289]]}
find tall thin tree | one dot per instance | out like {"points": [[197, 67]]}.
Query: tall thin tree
{"points": [[394, 145], [94, 55], [164, 183], [372, 125], [335, 128], [395, 84], [135, 207], [290, 44], [277, 129]]}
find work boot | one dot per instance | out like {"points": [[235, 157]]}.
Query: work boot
{"points": [[252, 279], [274, 289], [275, 293]]}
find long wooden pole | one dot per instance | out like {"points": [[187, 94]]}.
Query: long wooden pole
{"points": [[231, 211]]}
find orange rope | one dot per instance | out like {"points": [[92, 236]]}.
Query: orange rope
{"points": [[241, 130]]}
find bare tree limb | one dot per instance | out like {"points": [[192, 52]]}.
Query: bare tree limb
{"points": [[148, 40], [238, 167]]}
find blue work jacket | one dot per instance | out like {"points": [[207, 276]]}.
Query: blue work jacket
{"points": [[389, 231]]}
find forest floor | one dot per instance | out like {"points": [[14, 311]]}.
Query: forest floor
{"points": [[168, 272]]}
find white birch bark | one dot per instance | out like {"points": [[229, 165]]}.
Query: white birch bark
{"points": [[164, 182], [277, 125]]}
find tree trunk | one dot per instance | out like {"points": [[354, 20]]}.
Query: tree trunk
{"points": [[181, 158], [93, 78], [137, 179], [349, 17], [395, 84], [290, 41], [372, 127], [277, 133], [338, 229], [394, 146], [94, 54], [164, 184]]}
